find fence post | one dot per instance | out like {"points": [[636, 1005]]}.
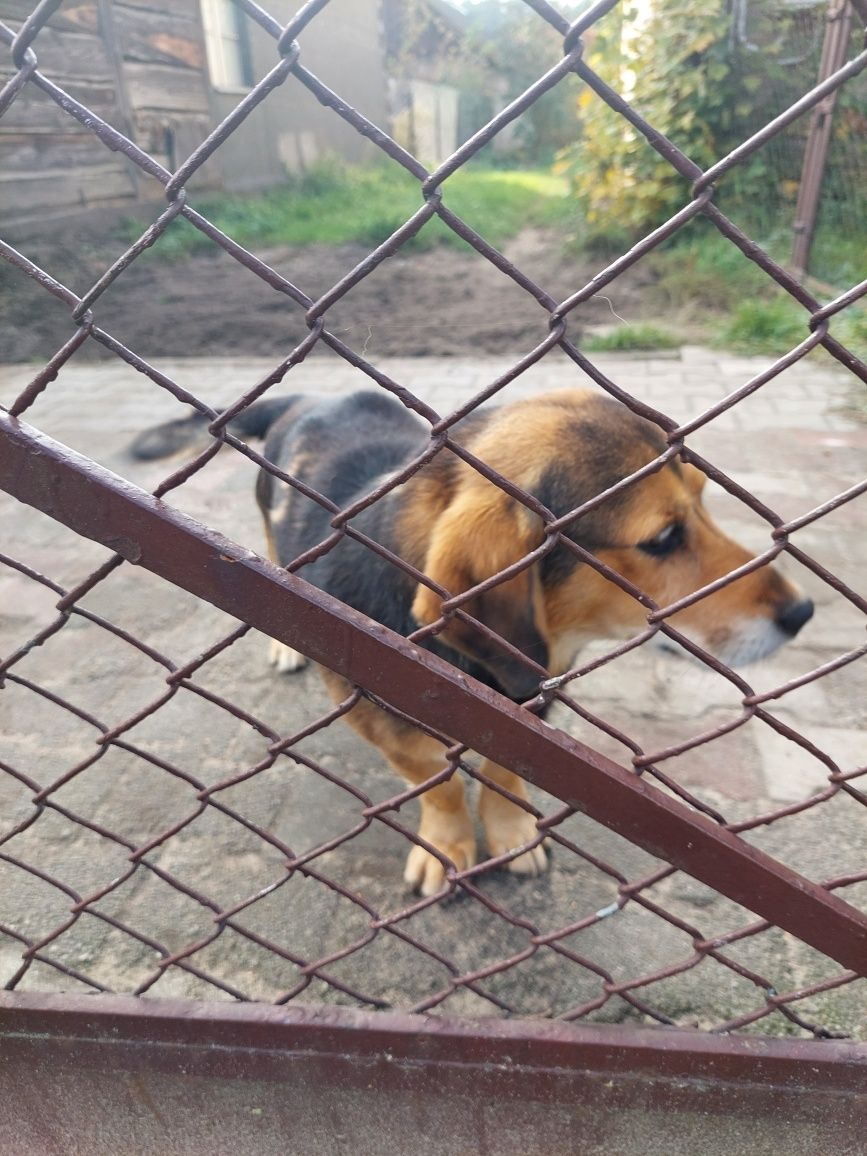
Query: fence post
{"points": [[819, 136]]}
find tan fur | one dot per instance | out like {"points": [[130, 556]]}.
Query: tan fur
{"points": [[445, 820], [483, 531]]}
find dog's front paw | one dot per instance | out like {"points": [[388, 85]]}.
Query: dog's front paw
{"points": [[425, 873], [508, 827], [284, 657]]}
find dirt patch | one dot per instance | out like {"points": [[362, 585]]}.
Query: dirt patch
{"points": [[442, 302]]}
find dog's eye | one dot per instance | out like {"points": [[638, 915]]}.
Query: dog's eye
{"points": [[665, 542]]}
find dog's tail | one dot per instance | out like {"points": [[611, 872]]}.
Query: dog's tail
{"points": [[191, 433]]}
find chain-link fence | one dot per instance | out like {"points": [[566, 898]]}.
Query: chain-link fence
{"points": [[798, 39], [178, 841]]}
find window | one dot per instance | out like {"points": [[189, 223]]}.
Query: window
{"points": [[227, 46]]}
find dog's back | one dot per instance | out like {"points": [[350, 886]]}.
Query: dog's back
{"points": [[339, 448], [342, 449]]}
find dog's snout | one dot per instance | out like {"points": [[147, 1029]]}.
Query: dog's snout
{"points": [[794, 615]]}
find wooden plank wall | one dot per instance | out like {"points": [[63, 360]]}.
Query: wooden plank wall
{"points": [[164, 75], [141, 69]]}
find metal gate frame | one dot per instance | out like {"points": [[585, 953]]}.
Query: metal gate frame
{"points": [[138, 1050], [144, 531], [335, 1058]]}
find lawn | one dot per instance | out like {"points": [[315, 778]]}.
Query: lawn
{"points": [[735, 305], [334, 205]]}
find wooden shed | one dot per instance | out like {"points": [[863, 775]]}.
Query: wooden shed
{"points": [[165, 72]]}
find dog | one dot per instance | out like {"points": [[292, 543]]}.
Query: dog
{"points": [[457, 528]]}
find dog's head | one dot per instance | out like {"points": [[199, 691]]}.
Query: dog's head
{"points": [[565, 448]]}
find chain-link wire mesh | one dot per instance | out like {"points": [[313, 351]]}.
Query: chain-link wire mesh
{"points": [[792, 37], [261, 869]]}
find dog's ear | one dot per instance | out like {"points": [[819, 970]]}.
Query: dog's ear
{"points": [[693, 478], [482, 532]]}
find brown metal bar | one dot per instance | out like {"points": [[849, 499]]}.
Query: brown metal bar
{"points": [[143, 530], [819, 136], [216, 1030], [177, 1076]]}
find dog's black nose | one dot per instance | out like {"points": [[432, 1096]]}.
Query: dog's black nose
{"points": [[793, 617]]}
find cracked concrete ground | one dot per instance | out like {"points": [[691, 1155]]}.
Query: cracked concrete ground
{"points": [[795, 443]]}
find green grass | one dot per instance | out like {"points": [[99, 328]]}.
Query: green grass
{"points": [[733, 304], [764, 324], [702, 272], [851, 329], [837, 256], [333, 205], [774, 324], [631, 338]]}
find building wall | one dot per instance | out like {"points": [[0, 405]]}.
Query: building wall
{"points": [[343, 47], [162, 74], [425, 119], [47, 160], [141, 67]]}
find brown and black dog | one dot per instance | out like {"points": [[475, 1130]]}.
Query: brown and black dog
{"points": [[459, 529]]}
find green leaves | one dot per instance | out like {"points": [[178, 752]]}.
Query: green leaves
{"points": [[679, 66]]}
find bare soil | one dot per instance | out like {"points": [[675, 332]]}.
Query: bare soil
{"points": [[441, 302]]}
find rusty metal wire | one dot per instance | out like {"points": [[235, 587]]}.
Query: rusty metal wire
{"points": [[547, 941]]}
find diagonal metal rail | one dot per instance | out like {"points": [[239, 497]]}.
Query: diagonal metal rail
{"points": [[101, 506]]}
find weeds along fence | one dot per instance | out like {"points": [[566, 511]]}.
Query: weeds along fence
{"points": [[801, 41], [146, 848]]}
